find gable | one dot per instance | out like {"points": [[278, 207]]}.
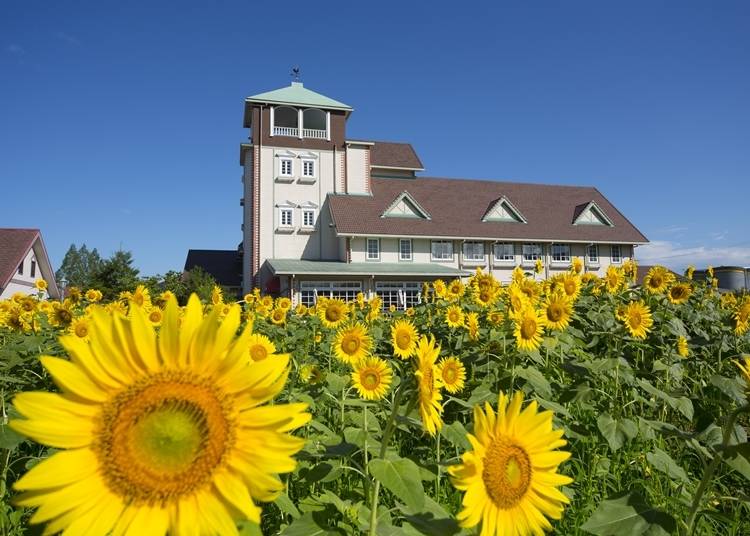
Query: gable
{"points": [[503, 210], [591, 214], [405, 206]]}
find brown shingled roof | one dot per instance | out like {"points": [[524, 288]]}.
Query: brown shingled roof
{"points": [[456, 207], [14, 245], [394, 155]]}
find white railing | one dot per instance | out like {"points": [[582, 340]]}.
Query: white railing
{"points": [[314, 133], [286, 131]]}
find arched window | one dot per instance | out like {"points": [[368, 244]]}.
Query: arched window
{"points": [[314, 119], [285, 121]]}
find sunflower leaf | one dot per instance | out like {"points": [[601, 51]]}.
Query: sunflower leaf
{"points": [[628, 513], [401, 477]]}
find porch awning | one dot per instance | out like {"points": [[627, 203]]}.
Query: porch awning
{"points": [[299, 267]]}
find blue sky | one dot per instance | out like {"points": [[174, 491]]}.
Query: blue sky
{"points": [[120, 122]]}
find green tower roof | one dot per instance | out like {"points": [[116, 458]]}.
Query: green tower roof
{"points": [[297, 95]]}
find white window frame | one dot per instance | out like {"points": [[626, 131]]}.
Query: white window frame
{"points": [[368, 256], [618, 258], [305, 213], [311, 291], [282, 161], [558, 253], [595, 259], [445, 257], [473, 257], [504, 257], [532, 256], [401, 294], [401, 255], [282, 212], [305, 163]]}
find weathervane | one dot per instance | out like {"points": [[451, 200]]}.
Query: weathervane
{"points": [[295, 73]]}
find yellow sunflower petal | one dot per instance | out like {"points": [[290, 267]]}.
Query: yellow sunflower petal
{"points": [[236, 494], [61, 468], [70, 378]]}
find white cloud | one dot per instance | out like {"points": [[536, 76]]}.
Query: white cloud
{"points": [[677, 256], [71, 39]]}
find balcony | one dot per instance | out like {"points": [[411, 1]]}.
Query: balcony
{"points": [[286, 131], [314, 133]]}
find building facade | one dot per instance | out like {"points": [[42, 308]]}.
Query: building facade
{"points": [[325, 215], [24, 260]]}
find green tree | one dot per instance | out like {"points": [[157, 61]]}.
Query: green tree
{"points": [[199, 281], [116, 274], [78, 267]]}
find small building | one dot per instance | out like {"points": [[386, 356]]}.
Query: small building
{"points": [[224, 265], [24, 260], [731, 278], [326, 215]]}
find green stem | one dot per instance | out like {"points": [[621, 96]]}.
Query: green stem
{"points": [[709, 472], [389, 429], [437, 479]]}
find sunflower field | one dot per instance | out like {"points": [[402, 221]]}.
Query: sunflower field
{"points": [[573, 405]]}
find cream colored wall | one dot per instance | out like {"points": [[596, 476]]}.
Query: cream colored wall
{"points": [[502, 270], [357, 169]]}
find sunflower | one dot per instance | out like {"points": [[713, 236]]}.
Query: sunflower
{"points": [[311, 374], [94, 295], [538, 266], [217, 295], [372, 377], [284, 303], [658, 279], [558, 310], [352, 343], [74, 294], [141, 297], [638, 319], [260, 347], [452, 374], [614, 279], [455, 290], [278, 316], [689, 272], [41, 285], [485, 296], [266, 302], [428, 378], [682, 347], [155, 316], [161, 433], [472, 325], [531, 288], [679, 293], [742, 317], [300, 309], [61, 314], [576, 265], [516, 298], [404, 338], [439, 288], [529, 325], [495, 317], [630, 269], [510, 477], [332, 312], [80, 327], [454, 317]]}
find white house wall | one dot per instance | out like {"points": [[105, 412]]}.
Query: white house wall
{"points": [[357, 170], [24, 283]]}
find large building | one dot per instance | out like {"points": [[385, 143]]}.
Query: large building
{"points": [[326, 215]]}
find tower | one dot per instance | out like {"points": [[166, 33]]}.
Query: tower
{"points": [[297, 155]]}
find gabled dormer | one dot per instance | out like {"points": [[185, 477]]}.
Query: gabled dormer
{"points": [[405, 206], [295, 116], [591, 214], [503, 210]]}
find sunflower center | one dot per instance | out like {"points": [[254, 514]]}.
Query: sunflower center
{"points": [[506, 473], [528, 328], [163, 437], [258, 352], [554, 312], [570, 288], [635, 319], [449, 374], [82, 330], [350, 344], [656, 281], [333, 314], [403, 339], [453, 316], [370, 379]]}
